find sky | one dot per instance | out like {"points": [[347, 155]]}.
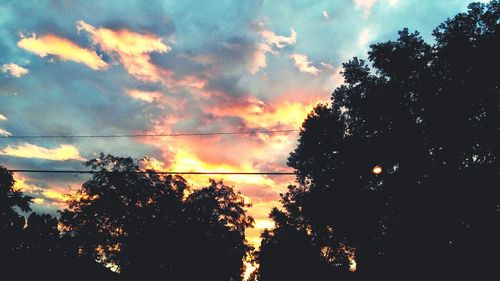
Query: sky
{"points": [[192, 66]]}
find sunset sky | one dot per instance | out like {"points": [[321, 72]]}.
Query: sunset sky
{"points": [[154, 67]]}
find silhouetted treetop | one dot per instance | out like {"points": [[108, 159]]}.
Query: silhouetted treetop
{"points": [[9, 197], [145, 224]]}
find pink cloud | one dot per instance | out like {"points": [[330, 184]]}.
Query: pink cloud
{"points": [[14, 70]]}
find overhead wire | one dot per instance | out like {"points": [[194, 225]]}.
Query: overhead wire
{"points": [[146, 135], [149, 135], [149, 171]]}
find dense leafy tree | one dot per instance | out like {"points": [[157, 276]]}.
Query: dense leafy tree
{"points": [[43, 253], [147, 225], [11, 222], [399, 176], [138, 223], [32, 247]]}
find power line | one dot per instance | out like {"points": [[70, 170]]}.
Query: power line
{"points": [[147, 135], [148, 171]]}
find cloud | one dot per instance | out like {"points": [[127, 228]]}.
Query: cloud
{"points": [[365, 37], [326, 16], [302, 63], [255, 113], [133, 49], [14, 70], [145, 96], [224, 105], [335, 78], [44, 196], [366, 6], [26, 150], [3, 118], [290, 114], [259, 59], [279, 41], [395, 2], [63, 49], [271, 40], [4, 133]]}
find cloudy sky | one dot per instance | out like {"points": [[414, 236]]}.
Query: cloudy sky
{"points": [[153, 67]]}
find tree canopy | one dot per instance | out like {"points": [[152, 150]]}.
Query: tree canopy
{"points": [[145, 225], [399, 176], [126, 223]]}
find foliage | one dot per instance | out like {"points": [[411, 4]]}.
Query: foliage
{"points": [[145, 224], [427, 115], [134, 222]]}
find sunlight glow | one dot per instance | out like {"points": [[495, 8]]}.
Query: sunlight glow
{"points": [[377, 170], [249, 269], [351, 255], [264, 224]]}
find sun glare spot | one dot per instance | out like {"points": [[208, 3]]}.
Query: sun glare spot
{"points": [[377, 170]]}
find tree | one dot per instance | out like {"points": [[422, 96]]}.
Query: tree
{"points": [[10, 199], [11, 223], [147, 225], [215, 222], [399, 175], [32, 247]]}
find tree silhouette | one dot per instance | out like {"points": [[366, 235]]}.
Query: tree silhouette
{"points": [[146, 225], [32, 247], [11, 222], [399, 177], [135, 222]]}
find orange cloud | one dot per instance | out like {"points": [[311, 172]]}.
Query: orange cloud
{"points": [[287, 113], [52, 196], [22, 185], [188, 162], [62, 153], [63, 49], [55, 195], [259, 114], [2, 117], [14, 70], [133, 49]]}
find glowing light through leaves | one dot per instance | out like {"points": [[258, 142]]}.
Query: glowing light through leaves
{"points": [[377, 170]]}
